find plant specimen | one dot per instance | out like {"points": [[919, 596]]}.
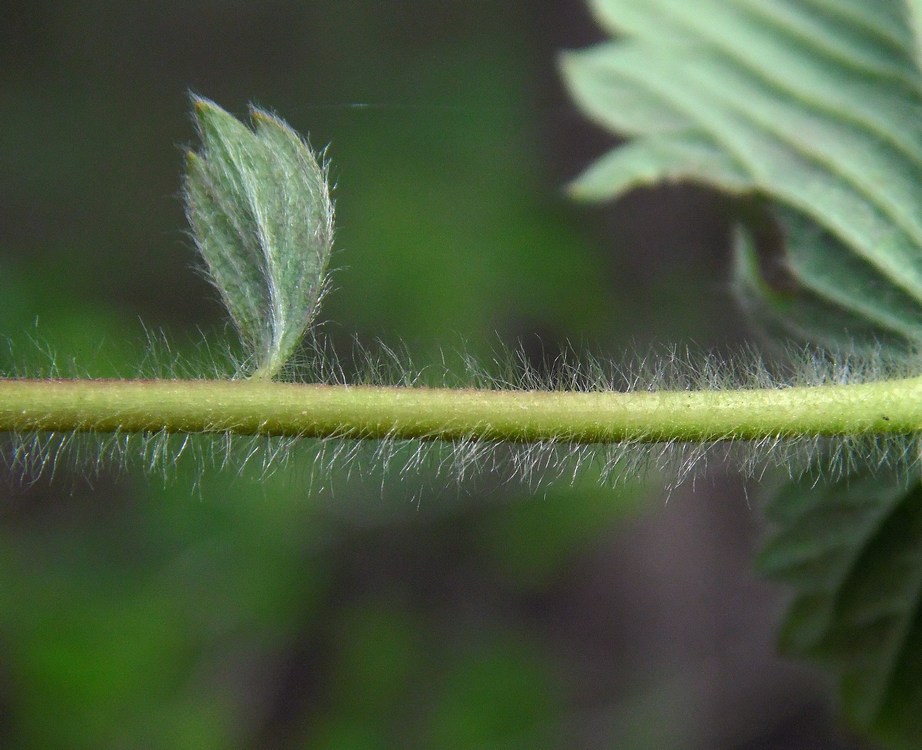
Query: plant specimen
{"points": [[807, 112]]}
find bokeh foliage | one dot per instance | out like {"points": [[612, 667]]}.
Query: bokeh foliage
{"points": [[225, 610]]}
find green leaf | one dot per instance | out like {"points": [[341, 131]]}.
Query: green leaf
{"points": [[914, 14], [813, 104], [810, 113], [259, 204], [853, 553], [832, 297]]}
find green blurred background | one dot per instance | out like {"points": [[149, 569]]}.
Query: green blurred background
{"points": [[334, 611]]}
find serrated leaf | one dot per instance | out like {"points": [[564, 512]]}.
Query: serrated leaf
{"points": [[811, 289], [853, 553], [814, 104], [813, 108], [680, 157], [259, 204]]}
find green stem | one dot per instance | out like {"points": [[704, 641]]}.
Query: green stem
{"points": [[258, 407]]}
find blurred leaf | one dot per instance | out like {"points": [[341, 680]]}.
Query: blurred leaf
{"points": [[814, 105], [499, 694], [534, 541], [835, 299], [154, 624], [853, 553], [914, 14], [259, 205], [380, 650]]}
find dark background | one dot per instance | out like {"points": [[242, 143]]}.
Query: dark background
{"points": [[322, 610]]}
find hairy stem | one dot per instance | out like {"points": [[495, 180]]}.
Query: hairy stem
{"points": [[255, 407]]}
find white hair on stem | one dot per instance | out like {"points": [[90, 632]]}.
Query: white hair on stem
{"points": [[163, 455]]}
